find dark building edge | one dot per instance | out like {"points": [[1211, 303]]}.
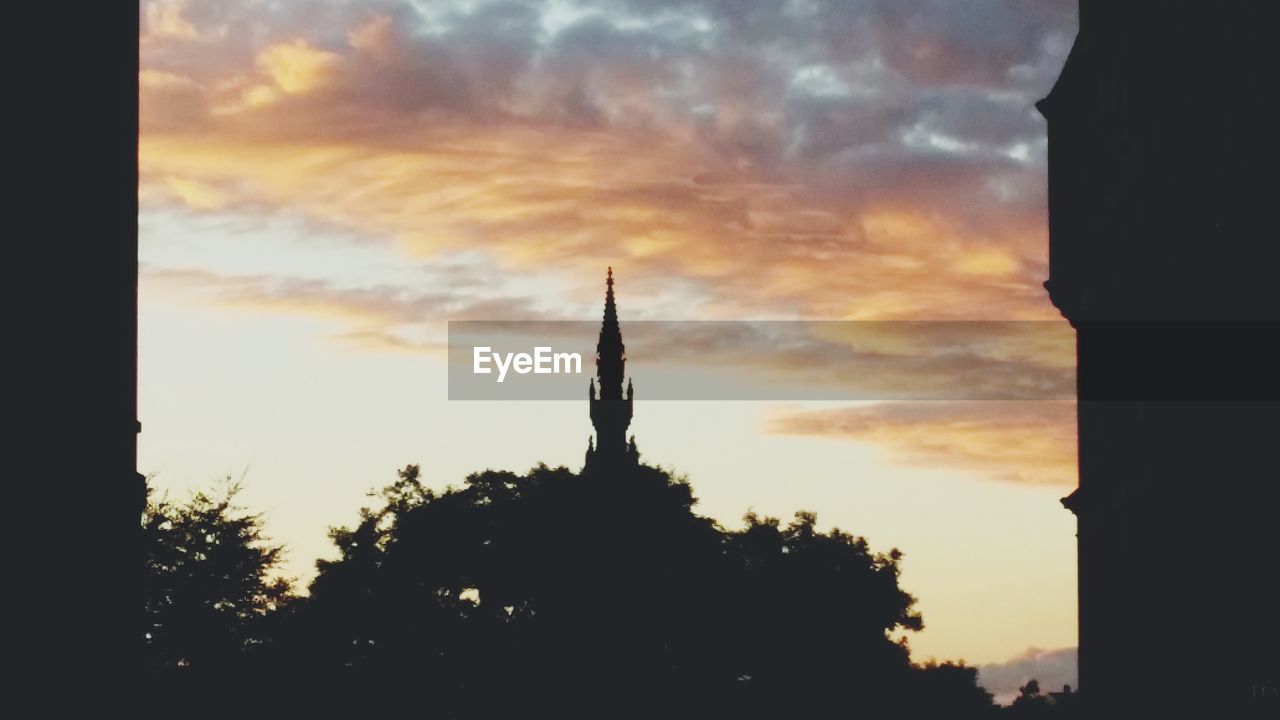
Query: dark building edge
{"points": [[73, 280], [1163, 254], [75, 600]]}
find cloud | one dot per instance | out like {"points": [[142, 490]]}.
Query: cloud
{"points": [[164, 19], [785, 359], [296, 67], [1052, 668], [381, 317], [820, 159], [872, 360], [197, 194], [1029, 442]]}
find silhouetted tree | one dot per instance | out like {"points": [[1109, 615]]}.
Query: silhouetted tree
{"points": [[816, 610], [210, 580], [603, 593], [947, 690]]}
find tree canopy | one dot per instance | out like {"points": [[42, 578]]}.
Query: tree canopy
{"points": [[557, 589], [211, 579], [599, 594]]}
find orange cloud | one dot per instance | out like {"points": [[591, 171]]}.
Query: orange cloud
{"points": [[638, 143], [381, 318], [197, 194], [296, 67], [1031, 442]]}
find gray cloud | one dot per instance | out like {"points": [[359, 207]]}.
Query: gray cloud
{"points": [[1052, 668]]}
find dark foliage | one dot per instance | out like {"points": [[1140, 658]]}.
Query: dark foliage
{"points": [[603, 594], [210, 583], [1031, 703]]}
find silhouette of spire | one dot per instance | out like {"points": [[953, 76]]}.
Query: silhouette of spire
{"points": [[611, 354], [610, 407], [610, 308]]}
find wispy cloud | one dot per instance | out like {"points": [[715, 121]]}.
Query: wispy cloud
{"points": [[1031, 442], [378, 317]]}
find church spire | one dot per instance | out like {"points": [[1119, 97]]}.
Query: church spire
{"points": [[610, 307], [611, 353], [610, 405]]}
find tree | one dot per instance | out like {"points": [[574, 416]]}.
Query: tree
{"points": [[605, 594], [948, 690], [210, 580], [814, 612]]}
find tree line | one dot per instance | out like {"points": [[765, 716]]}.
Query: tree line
{"points": [[549, 593]]}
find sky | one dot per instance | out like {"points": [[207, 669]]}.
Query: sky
{"points": [[326, 183]]}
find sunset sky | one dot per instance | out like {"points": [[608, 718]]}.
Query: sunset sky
{"points": [[325, 183]]}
